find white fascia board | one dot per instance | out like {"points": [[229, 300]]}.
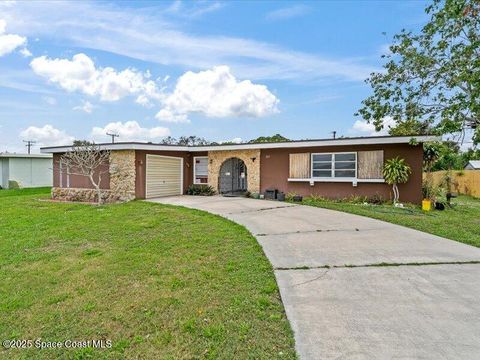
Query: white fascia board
{"points": [[280, 145], [321, 143], [29, 156], [120, 146]]}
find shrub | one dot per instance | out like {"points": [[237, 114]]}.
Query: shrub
{"points": [[316, 197], [431, 191], [200, 190], [290, 196], [376, 199], [356, 199], [396, 171]]}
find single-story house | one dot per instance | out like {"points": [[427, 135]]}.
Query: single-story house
{"points": [[333, 168], [25, 170], [473, 165]]}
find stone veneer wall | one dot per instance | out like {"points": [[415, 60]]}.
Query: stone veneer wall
{"points": [[122, 182], [122, 174], [217, 157]]}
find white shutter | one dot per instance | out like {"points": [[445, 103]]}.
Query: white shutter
{"points": [[164, 176]]}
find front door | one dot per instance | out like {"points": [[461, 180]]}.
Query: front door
{"points": [[233, 177]]}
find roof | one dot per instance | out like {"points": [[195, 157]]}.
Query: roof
{"points": [[272, 145], [474, 163], [29, 156]]}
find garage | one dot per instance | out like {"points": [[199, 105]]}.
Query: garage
{"points": [[164, 176]]}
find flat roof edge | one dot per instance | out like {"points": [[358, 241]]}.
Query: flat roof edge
{"points": [[378, 140], [31, 156]]}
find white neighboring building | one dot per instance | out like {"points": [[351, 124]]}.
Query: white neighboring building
{"points": [[473, 165], [28, 170]]}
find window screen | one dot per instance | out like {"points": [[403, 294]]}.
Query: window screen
{"points": [[335, 165], [200, 170]]}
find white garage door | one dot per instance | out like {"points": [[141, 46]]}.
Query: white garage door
{"points": [[164, 176]]}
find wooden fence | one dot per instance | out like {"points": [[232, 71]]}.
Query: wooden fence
{"points": [[463, 181]]}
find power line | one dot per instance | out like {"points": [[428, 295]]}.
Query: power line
{"points": [[113, 135], [29, 144]]}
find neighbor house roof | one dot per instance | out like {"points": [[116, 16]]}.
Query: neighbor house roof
{"points": [[376, 140], [30, 156], [474, 164]]}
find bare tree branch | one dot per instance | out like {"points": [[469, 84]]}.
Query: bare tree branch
{"points": [[87, 160]]}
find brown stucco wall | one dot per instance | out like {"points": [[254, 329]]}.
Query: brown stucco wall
{"points": [[78, 181], [118, 180], [275, 164], [217, 157], [140, 161]]}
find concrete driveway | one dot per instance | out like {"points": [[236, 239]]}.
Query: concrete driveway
{"points": [[359, 288]]}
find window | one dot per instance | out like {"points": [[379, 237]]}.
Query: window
{"points": [[200, 170], [335, 165]]}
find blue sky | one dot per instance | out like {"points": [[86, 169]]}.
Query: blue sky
{"points": [[220, 70]]}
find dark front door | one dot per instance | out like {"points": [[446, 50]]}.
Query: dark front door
{"points": [[233, 177]]}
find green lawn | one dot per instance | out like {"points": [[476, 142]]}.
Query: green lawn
{"points": [[161, 282], [460, 223]]}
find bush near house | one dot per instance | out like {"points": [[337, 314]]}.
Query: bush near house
{"points": [[201, 190]]}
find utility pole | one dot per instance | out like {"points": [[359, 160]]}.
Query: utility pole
{"points": [[29, 144], [334, 134], [113, 135]]}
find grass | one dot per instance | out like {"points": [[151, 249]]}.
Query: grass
{"points": [[158, 281], [460, 223]]}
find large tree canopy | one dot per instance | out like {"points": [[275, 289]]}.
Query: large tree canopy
{"points": [[431, 81]]}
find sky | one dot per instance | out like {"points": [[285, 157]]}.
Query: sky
{"points": [[225, 71]]}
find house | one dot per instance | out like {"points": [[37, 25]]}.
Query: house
{"points": [[473, 165], [333, 168], [25, 170]]}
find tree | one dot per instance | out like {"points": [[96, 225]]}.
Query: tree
{"points": [[87, 160], [169, 141], [432, 77], [265, 139], [451, 158], [410, 127], [81, 142], [191, 140], [431, 152], [396, 171]]}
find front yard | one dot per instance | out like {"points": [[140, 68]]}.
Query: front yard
{"points": [[158, 281], [460, 223]]}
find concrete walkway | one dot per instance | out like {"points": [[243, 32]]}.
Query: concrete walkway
{"points": [[340, 303]]}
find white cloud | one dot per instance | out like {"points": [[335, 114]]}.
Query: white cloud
{"points": [[25, 52], [85, 107], [216, 93], [80, 74], [50, 100], [155, 36], [236, 140], [171, 116], [129, 131], [9, 42], [287, 12], [362, 127], [193, 9], [46, 135]]}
